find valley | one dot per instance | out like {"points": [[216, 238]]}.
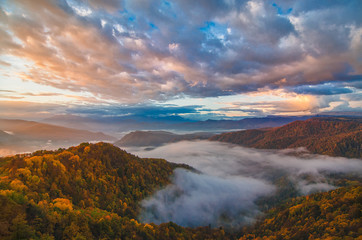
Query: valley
{"points": [[212, 188]]}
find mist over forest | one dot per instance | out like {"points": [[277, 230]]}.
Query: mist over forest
{"points": [[230, 180]]}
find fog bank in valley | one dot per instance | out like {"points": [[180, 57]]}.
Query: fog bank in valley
{"points": [[199, 200], [231, 179]]}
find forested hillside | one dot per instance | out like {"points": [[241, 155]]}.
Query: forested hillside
{"points": [[91, 191], [330, 136], [330, 215]]}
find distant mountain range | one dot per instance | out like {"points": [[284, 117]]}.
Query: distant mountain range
{"points": [[116, 125], [23, 136], [246, 123], [331, 136], [119, 125], [42, 131], [66, 130], [157, 138]]}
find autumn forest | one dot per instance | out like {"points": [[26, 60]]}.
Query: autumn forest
{"points": [[94, 191]]}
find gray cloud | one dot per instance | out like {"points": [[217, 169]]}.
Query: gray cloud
{"points": [[322, 89], [231, 180]]}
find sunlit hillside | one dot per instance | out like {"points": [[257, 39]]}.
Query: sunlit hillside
{"points": [[330, 136]]}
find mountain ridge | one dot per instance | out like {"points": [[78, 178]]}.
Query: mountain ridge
{"points": [[47, 131], [27, 136], [157, 138], [330, 136]]}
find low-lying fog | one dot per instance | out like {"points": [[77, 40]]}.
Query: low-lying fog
{"points": [[232, 179]]}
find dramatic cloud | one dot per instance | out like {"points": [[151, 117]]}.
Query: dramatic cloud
{"points": [[232, 178], [132, 51]]}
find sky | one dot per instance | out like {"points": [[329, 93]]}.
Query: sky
{"points": [[207, 59]]}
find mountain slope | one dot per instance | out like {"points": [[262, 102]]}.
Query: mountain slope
{"points": [[157, 138], [29, 136], [330, 215], [330, 136], [133, 123], [91, 191], [42, 131]]}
